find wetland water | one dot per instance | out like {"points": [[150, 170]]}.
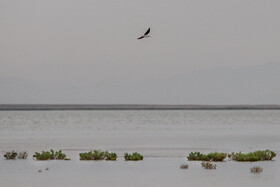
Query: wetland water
{"points": [[164, 137]]}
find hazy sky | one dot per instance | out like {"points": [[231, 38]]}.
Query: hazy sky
{"points": [[87, 52]]}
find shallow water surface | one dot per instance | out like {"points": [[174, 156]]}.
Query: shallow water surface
{"points": [[159, 133], [165, 138]]}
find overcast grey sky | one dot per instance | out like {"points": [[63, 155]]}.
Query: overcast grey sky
{"points": [[87, 52]]}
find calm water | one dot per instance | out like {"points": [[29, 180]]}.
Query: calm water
{"points": [[138, 120], [118, 130], [165, 138]]}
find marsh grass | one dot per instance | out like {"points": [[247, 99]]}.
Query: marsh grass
{"points": [[193, 156], [22, 155], [10, 155], [92, 155], [256, 170], [208, 165], [98, 155], [50, 155], [215, 157], [253, 156], [111, 156], [133, 157]]}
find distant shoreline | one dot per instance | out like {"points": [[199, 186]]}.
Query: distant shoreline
{"points": [[135, 107]]}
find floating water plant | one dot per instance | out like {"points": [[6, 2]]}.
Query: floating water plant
{"points": [[253, 156], [256, 170], [133, 157], [10, 155], [50, 155], [208, 165], [197, 156]]}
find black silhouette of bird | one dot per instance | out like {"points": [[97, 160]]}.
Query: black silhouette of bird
{"points": [[145, 35]]}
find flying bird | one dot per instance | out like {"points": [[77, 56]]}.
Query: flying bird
{"points": [[145, 35]]}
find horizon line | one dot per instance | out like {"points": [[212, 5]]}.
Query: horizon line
{"points": [[138, 107]]}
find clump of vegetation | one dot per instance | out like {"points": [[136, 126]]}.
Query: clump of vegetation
{"points": [[86, 156], [217, 157], [98, 155], [93, 155], [184, 166], [22, 155], [133, 157], [256, 170], [10, 155], [13, 155], [111, 156], [209, 157], [253, 156], [198, 156], [265, 155], [208, 165], [50, 155]]}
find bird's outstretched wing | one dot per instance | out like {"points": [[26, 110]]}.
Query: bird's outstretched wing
{"points": [[140, 37], [147, 32]]}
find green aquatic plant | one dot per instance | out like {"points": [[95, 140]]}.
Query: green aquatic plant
{"points": [[86, 156], [217, 157], [98, 155], [50, 155], [15, 155], [197, 156], [93, 155], [10, 155], [253, 156], [133, 157], [265, 155], [240, 157], [193, 156], [111, 156]]}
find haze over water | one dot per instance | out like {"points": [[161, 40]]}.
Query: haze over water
{"points": [[209, 52]]}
